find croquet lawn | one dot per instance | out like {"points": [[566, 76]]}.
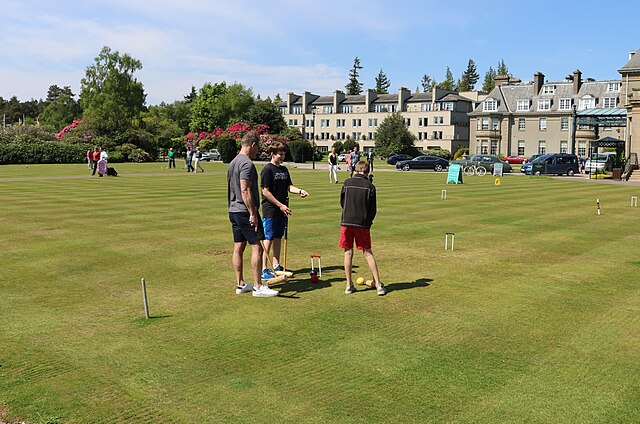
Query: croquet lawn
{"points": [[534, 317]]}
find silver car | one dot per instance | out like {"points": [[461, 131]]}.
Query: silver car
{"points": [[599, 163]]}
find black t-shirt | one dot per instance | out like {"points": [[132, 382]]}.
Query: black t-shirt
{"points": [[332, 159], [277, 180]]}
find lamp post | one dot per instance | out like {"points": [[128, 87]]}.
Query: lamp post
{"points": [[313, 145]]}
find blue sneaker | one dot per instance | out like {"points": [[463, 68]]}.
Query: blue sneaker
{"points": [[267, 274], [278, 268]]}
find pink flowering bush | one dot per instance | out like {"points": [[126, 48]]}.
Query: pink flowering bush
{"points": [[208, 140], [68, 128]]}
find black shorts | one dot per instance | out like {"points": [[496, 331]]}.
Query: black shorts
{"points": [[243, 231]]}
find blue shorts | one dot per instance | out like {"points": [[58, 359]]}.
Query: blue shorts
{"points": [[243, 230], [274, 227]]}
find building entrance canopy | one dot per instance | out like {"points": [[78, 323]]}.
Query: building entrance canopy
{"points": [[602, 117]]}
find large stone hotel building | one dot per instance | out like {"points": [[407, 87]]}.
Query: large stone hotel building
{"points": [[515, 118]]}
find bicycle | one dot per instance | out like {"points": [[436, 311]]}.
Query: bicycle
{"points": [[474, 169]]}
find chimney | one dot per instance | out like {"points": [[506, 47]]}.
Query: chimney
{"points": [[502, 79], [338, 98], [577, 81], [403, 95], [538, 82], [631, 54], [369, 96]]}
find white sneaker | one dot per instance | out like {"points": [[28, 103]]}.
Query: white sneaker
{"points": [[264, 291], [247, 288]]}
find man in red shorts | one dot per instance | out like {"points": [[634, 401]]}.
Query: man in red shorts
{"points": [[358, 201]]}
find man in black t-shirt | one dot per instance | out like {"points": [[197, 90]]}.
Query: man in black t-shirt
{"points": [[276, 186]]}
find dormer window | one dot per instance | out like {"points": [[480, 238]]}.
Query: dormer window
{"points": [[490, 105], [613, 86], [548, 89], [587, 102], [523, 105], [544, 104]]}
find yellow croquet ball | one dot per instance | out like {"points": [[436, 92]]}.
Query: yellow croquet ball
{"points": [[360, 280]]}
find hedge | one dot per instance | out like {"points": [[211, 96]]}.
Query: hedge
{"points": [[42, 152]]}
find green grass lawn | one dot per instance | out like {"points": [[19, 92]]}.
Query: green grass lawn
{"points": [[534, 317]]}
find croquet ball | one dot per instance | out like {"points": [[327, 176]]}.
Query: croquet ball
{"points": [[313, 272], [369, 283], [314, 278], [360, 280]]}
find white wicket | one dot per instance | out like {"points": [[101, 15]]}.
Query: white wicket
{"points": [[446, 240], [634, 201]]}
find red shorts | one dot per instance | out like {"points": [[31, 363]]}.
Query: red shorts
{"points": [[361, 235]]}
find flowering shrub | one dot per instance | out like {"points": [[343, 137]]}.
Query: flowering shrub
{"points": [[68, 128], [208, 140]]}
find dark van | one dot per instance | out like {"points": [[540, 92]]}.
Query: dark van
{"points": [[555, 163]]}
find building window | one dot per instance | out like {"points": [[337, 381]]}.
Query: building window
{"points": [[324, 123], [582, 148], [523, 105], [346, 109], [548, 89], [407, 122], [522, 124], [356, 135], [543, 124], [448, 106], [609, 102], [425, 107], [484, 147], [564, 146], [564, 124], [327, 109], [296, 110], [494, 147], [372, 136], [544, 104], [520, 147], [419, 122], [495, 123], [542, 147], [485, 123], [442, 120], [373, 122], [587, 102], [613, 86], [565, 104], [490, 105], [356, 123]]}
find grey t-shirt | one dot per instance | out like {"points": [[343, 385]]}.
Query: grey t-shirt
{"points": [[241, 168]]}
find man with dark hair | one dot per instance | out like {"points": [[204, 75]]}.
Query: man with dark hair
{"points": [[276, 186], [242, 186], [358, 201]]}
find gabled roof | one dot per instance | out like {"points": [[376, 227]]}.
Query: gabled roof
{"points": [[633, 64]]}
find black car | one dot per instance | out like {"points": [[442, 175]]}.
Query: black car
{"points": [[393, 159], [423, 162]]}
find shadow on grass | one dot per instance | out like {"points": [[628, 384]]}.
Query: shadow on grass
{"points": [[152, 319], [420, 282]]}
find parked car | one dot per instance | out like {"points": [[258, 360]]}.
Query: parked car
{"points": [[393, 159], [212, 154], [514, 159], [342, 157], [554, 163], [485, 161], [600, 162], [423, 162], [527, 164]]}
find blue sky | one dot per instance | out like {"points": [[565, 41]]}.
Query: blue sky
{"points": [[278, 46]]}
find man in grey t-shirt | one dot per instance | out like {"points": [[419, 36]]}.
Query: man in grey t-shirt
{"points": [[243, 201]]}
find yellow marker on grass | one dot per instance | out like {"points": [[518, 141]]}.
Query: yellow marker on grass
{"points": [[497, 181]]}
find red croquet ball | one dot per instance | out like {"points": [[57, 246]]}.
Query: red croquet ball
{"points": [[314, 279]]}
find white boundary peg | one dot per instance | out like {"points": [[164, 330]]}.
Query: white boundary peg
{"points": [[444, 194], [598, 206], [313, 257], [446, 240], [634, 201]]}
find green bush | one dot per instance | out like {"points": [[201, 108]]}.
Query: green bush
{"points": [[441, 153], [42, 152], [228, 149], [301, 150]]}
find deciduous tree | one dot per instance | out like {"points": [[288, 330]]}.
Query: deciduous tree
{"points": [[393, 136]]}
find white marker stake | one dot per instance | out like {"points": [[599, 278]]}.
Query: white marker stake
{"points": [[598, 205], [634, 201], [444, 194], [144, 299], [446, 240]]}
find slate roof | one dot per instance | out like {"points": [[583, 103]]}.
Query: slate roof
{"points": [[508, 96], [323, 100], [354, 99], [386, 98], [633, 64]]}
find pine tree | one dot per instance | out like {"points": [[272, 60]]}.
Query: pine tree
{"points": [[469, 77], [354, 86], [382, 83], [448, 83], [489, 80], [502, 69], [427, 83]]}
